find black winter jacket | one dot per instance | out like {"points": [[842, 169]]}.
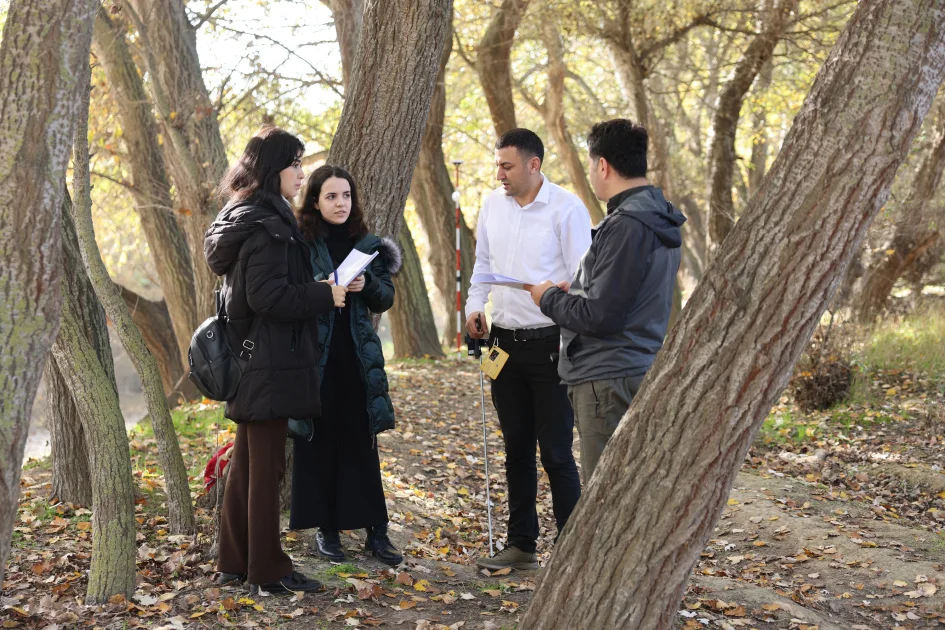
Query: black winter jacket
{"points": [[376, 297], [257, 246]]}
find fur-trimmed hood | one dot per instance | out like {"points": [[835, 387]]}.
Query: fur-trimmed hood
{"points": [[391, 252]]}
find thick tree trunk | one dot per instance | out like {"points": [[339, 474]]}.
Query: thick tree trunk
{"points": [[663, 480], [387, 105], [432, 193], [494, 65], [180, 508], [195, 153], [70, 459], [152, 189], [154, 322], [725, 124], [411, 318], [82, 359], [44, 45], [917, 232]]}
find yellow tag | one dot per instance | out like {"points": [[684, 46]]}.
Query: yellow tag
{"points": [[493, 361]]}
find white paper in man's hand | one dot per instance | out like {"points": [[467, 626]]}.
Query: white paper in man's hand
{"points": [[353, 266], [499, 280]]}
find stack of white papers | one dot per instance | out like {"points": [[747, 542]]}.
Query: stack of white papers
{"points": [[498, 279], [353, 266]]}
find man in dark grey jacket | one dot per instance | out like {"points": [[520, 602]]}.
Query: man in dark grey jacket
{"points": [[614, 314]]}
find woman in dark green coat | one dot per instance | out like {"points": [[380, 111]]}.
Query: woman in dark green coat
{"points": [[336, 480]]}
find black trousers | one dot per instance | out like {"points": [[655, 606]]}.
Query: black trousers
{"points": [[533, 407]]}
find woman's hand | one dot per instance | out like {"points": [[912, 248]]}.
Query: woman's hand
{"points": [[357, 284], [337, 293]]}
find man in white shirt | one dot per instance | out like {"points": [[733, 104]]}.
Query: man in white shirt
{"points": [[531, 230]]}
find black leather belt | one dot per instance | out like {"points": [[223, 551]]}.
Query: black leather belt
{"points": [[525, 334]]}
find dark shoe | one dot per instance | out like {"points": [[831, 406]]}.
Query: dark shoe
{"points": [[328, 545], [290, 584], [380, 546], [229, 579], [510, 557]]}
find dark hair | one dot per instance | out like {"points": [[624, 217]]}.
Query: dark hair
{"points": [[311, 222], [525, 140], [622, 143], [267, 154]]}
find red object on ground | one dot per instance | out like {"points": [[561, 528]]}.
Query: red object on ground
{"points": [[210, 473]]}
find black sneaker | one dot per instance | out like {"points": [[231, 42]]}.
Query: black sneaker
{"points": [[290, 584], [229, 579], [327, 544], [380, 546]]}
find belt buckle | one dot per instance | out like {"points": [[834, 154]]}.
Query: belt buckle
{"points": [[515, 336]]}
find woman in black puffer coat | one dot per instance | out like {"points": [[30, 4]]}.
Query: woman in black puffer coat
{"points": [[336, 480], [272, 303]]}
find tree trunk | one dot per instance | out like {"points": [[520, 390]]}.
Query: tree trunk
{"points": [[195, 153], [759, 145], [725, 125], [387, 105], [553, 112], [83, 361], [432, 193], [154, 322], [494, 66], [70, 459], [411, 318], [180, 508], [44, 45], [662, 482], [348, 15], [916, 232], [152, 189]]}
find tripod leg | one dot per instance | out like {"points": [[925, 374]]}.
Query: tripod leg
{"points": [[485, 453]]}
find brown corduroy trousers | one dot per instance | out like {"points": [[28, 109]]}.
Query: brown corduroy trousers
{"points": [[249, 531]]}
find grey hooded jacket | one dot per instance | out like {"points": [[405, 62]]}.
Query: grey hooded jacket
{"points": [[615, 316]]}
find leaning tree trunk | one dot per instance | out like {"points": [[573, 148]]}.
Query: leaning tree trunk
{"points": [[45, 44], [494, 65], [195, 153], [413, 335], [152, 189], [154, 323], [917, 231], [71, 479], [759, 145], [387, 105], [663, 480], [432, 193], [70, 459], [83, 361], [722, 154], [180, 509]]}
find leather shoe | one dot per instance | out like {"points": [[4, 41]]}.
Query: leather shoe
{"points": [[328, 545], [378, 544], [290, 584], [229, 579]]}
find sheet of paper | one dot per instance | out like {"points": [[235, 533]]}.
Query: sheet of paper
{"points": [[353, 266], [499, 280]]}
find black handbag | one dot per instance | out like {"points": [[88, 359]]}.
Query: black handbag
{"points": [[301, 429], [214, 368]]}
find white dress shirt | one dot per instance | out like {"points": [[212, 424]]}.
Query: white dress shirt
{"points": [[544, 240]]}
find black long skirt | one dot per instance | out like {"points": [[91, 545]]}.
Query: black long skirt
{"points": [[336, 478]]}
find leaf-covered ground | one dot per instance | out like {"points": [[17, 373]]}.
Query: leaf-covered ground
{"points": [[835, 522]]}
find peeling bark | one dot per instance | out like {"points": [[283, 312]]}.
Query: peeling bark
{"points": [[662, 482]]}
